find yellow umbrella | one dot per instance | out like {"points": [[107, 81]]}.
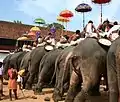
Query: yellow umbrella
{"points": [[23, 38], [63, 19], [35, 29]]}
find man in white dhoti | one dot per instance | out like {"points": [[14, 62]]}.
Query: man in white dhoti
{"points": [[89, 29]]}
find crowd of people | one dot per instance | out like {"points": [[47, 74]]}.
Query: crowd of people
{"points": [[103, 30]]}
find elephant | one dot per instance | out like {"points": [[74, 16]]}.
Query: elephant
{"points": [[88, 60], [46, 69], [113, 71], [62, 70], [35, 58], [25, 65], [25, 61], [12, 59], [6, 62]]}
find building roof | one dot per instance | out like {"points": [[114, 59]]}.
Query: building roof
{"points": [[15, 30]]}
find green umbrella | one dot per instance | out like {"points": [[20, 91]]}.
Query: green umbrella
{"points": [[39, 21]]}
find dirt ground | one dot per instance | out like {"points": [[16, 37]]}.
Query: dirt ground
{"points": [[28, 96]]}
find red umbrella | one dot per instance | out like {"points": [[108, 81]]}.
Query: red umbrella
{"points": [[66, 13], [101, 2]]}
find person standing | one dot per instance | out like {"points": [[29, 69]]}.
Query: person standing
{"points": [[12, 84]]}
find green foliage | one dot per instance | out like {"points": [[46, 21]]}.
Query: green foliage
{"points": [[56, 25], [17, 21]]}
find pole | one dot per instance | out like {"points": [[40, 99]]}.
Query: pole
{"points": [[62, 28], [66, 28], [83, 20], [101, 13]]}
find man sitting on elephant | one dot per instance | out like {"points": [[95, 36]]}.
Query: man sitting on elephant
{"points": [[64, 42], [76, 38], [41, 42]]}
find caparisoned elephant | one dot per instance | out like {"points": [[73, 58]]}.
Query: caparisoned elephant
{"points": [[113, 71], [35, 58], [46, 69], [62, 70], [89, 62]]}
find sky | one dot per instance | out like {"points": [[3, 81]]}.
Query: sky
{"points": [[28, 10]]}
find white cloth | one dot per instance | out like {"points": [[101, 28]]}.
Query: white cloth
{"points": [[25, 49], [113, 36], [41, 44], [62, 45], [89, 28], [52, 41], [114, 28], [19, 79], [1, 70], [77, 41]]}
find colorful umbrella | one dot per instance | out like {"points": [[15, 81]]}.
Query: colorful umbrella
{"points": [[101, 2], [39, 21], [83, 8], [35, 29], [63, 19], [66, 13]]}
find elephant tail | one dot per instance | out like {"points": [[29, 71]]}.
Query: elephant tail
{"points": [[68, 58], [55, 71]]}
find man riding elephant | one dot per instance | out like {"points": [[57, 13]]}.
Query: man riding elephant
{"points": [[89, 63]]}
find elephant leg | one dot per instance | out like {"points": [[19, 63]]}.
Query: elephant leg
{"points": [[25, 78], [113, 88], [113, 84], [59, 91], [38, 88], [84, 93], [30, 81], [57, 95], [90, 82], [95, 89], [75, 87]]}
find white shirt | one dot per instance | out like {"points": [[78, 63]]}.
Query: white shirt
{"points": [[1, 70]]}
